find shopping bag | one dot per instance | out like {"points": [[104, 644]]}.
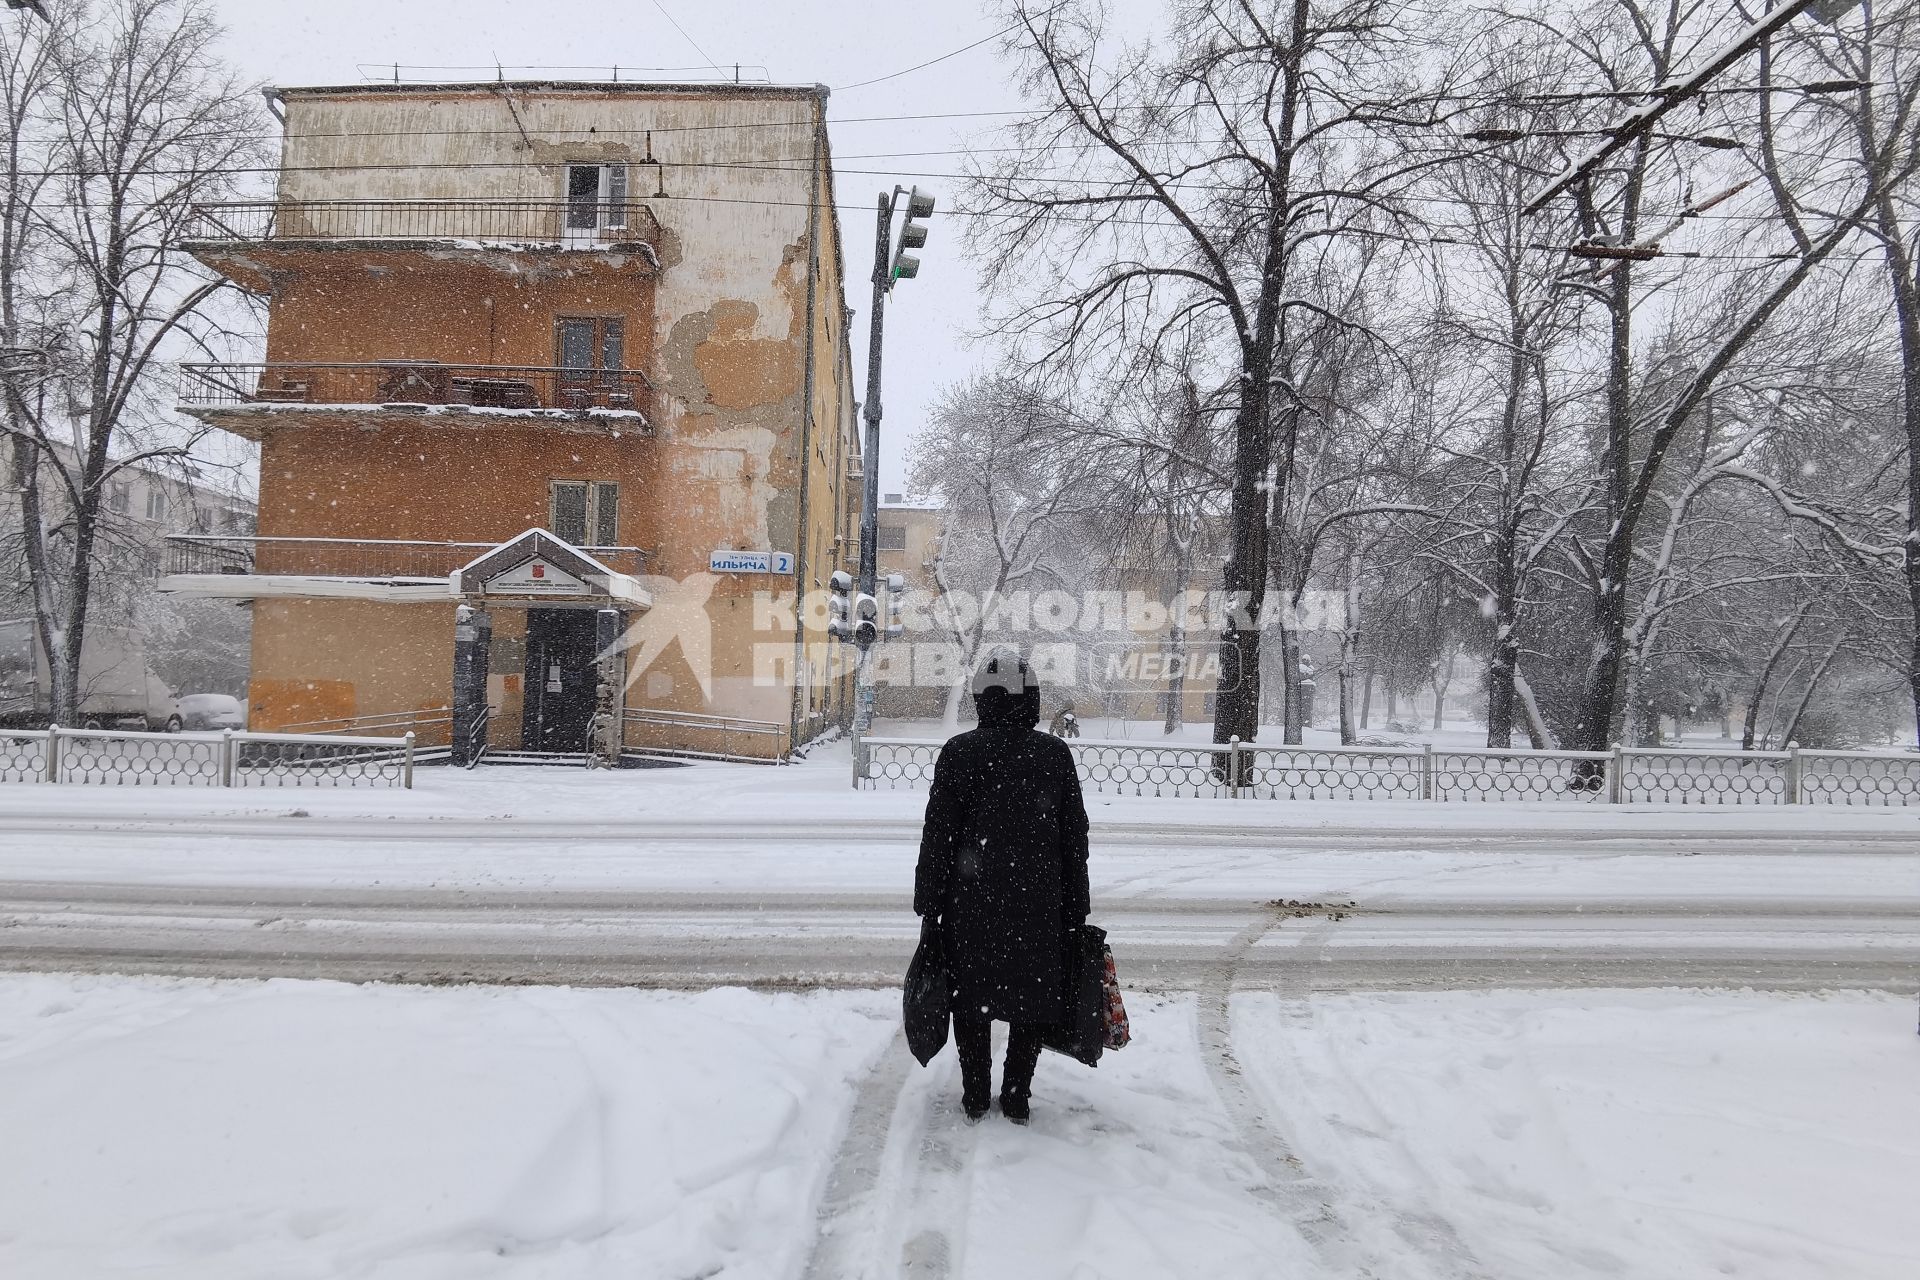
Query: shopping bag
{"points": [[1119, 1030], [1083, 1036], [927, 995]]}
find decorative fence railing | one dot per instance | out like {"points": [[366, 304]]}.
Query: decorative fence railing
{"points": [[227, 759], [1238, 770], [419, 384], [570, 223], [194, 553]]}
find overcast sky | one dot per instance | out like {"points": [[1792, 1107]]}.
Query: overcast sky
{"points": [[837, 43]]}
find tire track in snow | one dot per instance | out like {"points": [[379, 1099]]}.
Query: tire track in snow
{"points": [[1417, 1225], [1300, 1198], [941, 1176], [896, 1200], [846, 1220]]}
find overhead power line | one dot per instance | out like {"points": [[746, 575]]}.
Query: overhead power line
{"points": [[684, 36], [965, 48], [1672, 95]]}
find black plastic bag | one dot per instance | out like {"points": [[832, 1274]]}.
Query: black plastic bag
{"points": [[1083, 1036], [927, 997]]}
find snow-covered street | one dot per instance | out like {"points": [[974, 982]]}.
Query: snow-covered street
{"points": [[247, 1129], [1419, 1041]]}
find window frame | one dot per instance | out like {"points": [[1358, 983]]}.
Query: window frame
{"points": [[609, 333], [596, 520], [613, 182]]}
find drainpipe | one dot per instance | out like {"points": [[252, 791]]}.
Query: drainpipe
{"points": [[800, 565]]}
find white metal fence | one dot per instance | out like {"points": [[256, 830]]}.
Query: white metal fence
{"points": [[1237, 770], [228, 759]]}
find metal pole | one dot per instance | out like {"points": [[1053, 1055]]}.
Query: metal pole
{"points": [[870, 459]]}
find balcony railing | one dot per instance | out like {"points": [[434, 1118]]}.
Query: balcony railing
{"points": [[415, 382], [371, 558], [580, 224]]}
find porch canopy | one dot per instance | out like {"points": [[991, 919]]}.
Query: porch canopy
{"points": [[538, 567], [535, 568]]}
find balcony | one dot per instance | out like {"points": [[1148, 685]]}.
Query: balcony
{"points": [[229, 395], [475, 224], [397, 561]]}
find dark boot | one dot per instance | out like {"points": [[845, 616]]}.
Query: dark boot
{"points": [[973, 1038], [1016, 1085]]}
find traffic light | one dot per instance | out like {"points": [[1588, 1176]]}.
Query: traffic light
{"points": [[866, 620], [840, 589], [913, 235], [896, 591]]}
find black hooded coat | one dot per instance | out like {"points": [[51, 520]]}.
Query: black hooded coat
{"points": [[1003, 863]]}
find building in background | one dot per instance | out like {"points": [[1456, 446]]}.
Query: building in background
{"points": [[196, 647], [907, 533], [548, 350]]}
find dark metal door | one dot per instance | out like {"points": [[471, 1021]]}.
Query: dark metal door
{"points": [[560, 679]]}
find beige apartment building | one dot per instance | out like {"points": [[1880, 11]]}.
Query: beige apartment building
{"points": [[545, 350]]}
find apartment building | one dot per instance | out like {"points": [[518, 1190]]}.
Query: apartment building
{"points": [[143, 503], [571, 355]]}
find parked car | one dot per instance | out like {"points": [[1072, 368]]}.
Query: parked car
{"points": [[117, 687], [212, 711]]}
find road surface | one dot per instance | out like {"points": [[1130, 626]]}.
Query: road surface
{"points": [[860, 939]]}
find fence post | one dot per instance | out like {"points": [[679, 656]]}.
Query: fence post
{"points": [[53, 753], [1426, 771], [1793, 774], [1617, 776], [1233, 767], [226, 757], [859, 758], [406, 771]]}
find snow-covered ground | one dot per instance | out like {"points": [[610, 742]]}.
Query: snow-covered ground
{"points": [[815, 794], [801, 829], [288, 1129]]}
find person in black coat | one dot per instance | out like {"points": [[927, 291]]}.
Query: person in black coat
{"points": [[1003, 875]]}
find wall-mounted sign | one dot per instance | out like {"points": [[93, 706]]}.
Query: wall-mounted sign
{"points": [[751, 562], [536, 577]]}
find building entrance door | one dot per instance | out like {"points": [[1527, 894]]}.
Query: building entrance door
{"points": [[560, 680]]}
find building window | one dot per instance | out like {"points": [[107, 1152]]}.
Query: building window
{"points": [[891, 537], [585, 513], [596, 197], [590, 343], [156, 504], [118, 499]]}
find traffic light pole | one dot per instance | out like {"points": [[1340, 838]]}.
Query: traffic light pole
{"points": [[870, 461]]}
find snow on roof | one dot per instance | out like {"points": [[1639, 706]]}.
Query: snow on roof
{"points": [[909, 502]]}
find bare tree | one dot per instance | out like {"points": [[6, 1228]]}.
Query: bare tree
{"points": [[1874, 131], [1012, 503], [123, 120], [1212, 179], [1626, 45]]}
